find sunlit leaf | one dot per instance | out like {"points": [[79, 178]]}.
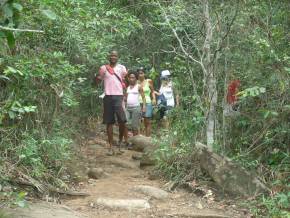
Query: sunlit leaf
{"points": [[21, 204], [11, 114], [17, 6], [49, 14], [21, 195]]}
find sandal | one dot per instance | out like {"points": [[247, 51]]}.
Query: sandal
{"points": [[119, 152], [110, 152]]}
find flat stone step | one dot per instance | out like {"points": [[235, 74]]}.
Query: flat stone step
{"points": [[43, 210], [127, 204]]}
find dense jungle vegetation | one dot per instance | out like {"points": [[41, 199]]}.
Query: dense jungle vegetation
{"points": [[51, 50]]}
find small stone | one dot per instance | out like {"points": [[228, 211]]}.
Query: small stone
{"points": [[7, 189], [96, 173], [153, 176], [136, 156], [199, 205]]}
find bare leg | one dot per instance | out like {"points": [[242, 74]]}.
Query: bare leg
{"points": [[147, 123], [122, 131], [142, 127], [110, 136], [126, 134]]}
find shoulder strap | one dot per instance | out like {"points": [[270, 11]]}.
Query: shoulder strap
{"points": [[111, 71], [118, 78]]}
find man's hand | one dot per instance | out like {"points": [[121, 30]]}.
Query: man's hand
{"points": [[154, 102]]}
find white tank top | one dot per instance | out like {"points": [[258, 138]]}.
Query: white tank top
{"points": [[133, 96], [167, 91]]}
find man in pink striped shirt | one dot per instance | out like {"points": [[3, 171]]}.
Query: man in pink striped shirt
{"points": [[113, 75]]}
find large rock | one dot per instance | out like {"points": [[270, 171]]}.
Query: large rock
{"points": [[127, 204], [228, 175], [141, 143], [151, 191], [144, 144]]}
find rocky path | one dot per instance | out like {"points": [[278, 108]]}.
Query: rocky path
{"points": [[119, 188]]}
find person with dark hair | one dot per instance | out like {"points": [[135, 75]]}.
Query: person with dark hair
{"points": [[133, 93], [148, 89], [113, 75]]}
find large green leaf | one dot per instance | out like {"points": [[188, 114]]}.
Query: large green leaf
{"points": [[49, 14], [10, 39]]}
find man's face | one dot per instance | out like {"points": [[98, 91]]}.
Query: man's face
{"points": [[132, 79], [113, 57]]}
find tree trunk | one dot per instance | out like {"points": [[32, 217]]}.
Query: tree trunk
{"points": [[210, 78]]}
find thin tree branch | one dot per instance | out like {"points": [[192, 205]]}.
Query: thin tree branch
{"points": [[219, 47], [20, 30], [177, 37]]}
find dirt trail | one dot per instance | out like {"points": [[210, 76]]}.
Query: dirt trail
{"points": [[118, 178]]}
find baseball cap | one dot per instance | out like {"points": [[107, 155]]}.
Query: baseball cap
{"points": [[165, 73]]}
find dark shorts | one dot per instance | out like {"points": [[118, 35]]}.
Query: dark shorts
{"points": [[113, 106], [165, 111]]}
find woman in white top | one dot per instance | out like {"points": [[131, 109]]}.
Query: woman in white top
{"points": [[133, 110], [167, 90]]}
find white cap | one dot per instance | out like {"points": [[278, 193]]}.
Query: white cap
{"points": [[165, 73]]}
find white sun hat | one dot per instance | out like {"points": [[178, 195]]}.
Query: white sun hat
{"points": [[165, 73]]}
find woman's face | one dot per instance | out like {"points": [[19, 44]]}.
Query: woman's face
{"points": [[141, 74], [165, 82], [132, 79]]}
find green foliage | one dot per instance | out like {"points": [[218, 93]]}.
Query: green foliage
{"points": [[9, 16], [272, 206], [3, 215], [252, 92], [175, 163], [13, 199]]}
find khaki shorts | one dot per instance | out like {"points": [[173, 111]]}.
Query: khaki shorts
{"points": [[133, 115]]}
